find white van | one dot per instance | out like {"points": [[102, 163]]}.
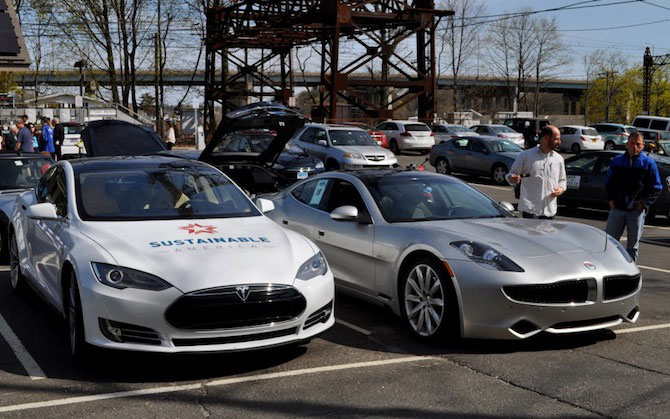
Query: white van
{"points": [[651, 123]]}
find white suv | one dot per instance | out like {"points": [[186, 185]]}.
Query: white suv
{"points": [[407, 135], [577, 138], [342, 147]]}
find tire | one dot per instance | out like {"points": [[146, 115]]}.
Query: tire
{"points": [[18, 281], [393, 146], [80, 350], [442, 166], [498, 174], [609, 145], [332, 165], [428, 307], [576, 149], [4, 243]]}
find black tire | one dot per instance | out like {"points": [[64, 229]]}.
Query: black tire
{"points": [[332, 165], [80, 350], [442, 166], [498, 173], [18, 281], [4, 243], [393, 146], [420, 301], [609, 145], [576, 149]]}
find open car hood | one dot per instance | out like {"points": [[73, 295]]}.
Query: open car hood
{"points": [[272, 116], [111, 137]]}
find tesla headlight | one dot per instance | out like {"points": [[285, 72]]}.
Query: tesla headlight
{"points": [[315, 266], [119, 277], [622, 250], [487, 256], [353, 156], [319, 166]]}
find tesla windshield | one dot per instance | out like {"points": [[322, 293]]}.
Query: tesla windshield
{"points": [[161, 193], [353, 137], [402, 199]]}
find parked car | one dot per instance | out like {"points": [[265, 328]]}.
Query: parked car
{"points": [[615, 136], [407, 135], [342, 147], [478, 155], [446, 258], [653, 123], [161, 254], [19, 172], [110, 137], [586, 181], [578, 137], [523, 124], [71, 147], [376, 135], [443, 132], [502, 131]]}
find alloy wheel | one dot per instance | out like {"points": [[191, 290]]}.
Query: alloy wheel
{"points": [[499, 174], [424, 300], [442, 167]]}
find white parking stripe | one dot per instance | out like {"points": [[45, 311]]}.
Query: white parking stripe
{"points": [[654, 269], [216, 383], [354, 327], [29, 364], [642, 328]]}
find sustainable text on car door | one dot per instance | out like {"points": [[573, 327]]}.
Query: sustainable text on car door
{"points": [[347, 244]]}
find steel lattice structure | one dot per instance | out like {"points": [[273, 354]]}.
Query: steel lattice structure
{"points": [[244, 36], [650, 64]]}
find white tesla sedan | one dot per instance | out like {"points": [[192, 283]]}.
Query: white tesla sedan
{"points": [[167, 255]]}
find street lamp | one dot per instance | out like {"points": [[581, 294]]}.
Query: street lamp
{"points": [[81, 65]]}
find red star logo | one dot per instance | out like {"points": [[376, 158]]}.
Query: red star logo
{"points": [[197, 229]]}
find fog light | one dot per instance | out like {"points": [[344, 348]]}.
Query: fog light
{"points": [[110, 332]]}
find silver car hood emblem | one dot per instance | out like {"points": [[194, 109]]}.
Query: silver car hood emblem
{"points": [[243, 292], [589, 265]]}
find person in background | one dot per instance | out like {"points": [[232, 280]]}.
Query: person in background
{"points": [[36, 144], [9, 142], [59, 136], [171, 137], [632, 183], [48, 138], [24, 139]]}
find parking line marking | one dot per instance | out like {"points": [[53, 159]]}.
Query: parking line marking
{"points": [[215, 383], [29, 364], [354, 327], [642, 328], [654, 269]]}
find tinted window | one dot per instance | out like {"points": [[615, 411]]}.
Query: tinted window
{"points": [[311, 193], [72, 129], [57, 191], [461, 143], [641, 122], [591, 132], [582, 164], [504, 146], [605, 128], [605, 163], [22, 173], [246, 142], [478, 147], [629, 129], [351, 137], [659, 124], [42, 188], [344, 193], [416, 127], [161, 193], [308, 135], [438, 128]]}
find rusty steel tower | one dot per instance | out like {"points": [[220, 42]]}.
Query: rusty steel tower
{"points": [[245, 36]]}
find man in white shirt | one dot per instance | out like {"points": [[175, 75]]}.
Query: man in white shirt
{"points": [[541, 171]]}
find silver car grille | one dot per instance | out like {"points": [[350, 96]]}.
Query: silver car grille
{"points": [[375, 157], [572, 291], [617, 286]]}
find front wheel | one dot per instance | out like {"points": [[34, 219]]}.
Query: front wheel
{"points": [[609, 145], [79, 349], [442, 166], [18, 281], [394, 147], [427, 304], [499, 174]]}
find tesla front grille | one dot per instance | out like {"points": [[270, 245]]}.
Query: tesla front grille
{"points": [[236, 306], [563, 292], [234, 339], [617, 286]]}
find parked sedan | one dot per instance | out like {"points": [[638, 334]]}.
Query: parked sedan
{"points": [[443, 132], [342, 147], [162, 254], [586, 181], [479, 155], [577, 138], [502, 131], [447, 258]]}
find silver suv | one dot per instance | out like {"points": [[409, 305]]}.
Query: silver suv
{"points": [[342, 147]]}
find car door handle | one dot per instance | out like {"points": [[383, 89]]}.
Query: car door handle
{"points": [[321, 233], [284, 222]]}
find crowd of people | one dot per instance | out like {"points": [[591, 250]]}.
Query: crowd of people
{"points": [[23, 136]]}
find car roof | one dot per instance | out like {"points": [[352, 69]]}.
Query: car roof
{"points": [[333, 126], [612, 124], [21, 154], [404, 121], [575, 126], [95, 164], [491, 125]]}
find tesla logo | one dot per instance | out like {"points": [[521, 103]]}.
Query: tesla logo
{"points": [[243, 292], [590, 265], [197, 229]]}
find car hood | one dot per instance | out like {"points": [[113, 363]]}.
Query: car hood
{"points": [[199, 254], [262, 115], [119, 138], [510, 154], [524, 238], [365, 150]]}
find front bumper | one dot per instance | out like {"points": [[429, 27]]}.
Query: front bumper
{"points": [[135, 312], [488, 312]]}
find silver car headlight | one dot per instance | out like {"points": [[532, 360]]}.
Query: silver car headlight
{"points": [[353, 156], [622, 250], [487, 256], [120, 278], [315, 266]]}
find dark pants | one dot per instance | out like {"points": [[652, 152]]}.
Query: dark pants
{"points": [[537, 217], [169, 146]]}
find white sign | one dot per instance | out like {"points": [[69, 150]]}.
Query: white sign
{"points": [[78, 101], [574, 181], [101, 112]]}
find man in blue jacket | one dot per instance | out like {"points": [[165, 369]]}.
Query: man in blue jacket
{"points": [[633, 184]]}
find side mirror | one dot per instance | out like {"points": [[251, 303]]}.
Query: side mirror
{"points": [[506, 205], [265, 205], [43, 211], [322, 143], [345, 213]]}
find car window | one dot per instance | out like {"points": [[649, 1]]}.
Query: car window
{"points": [[57, 191], [659, 124], [460, 143], [311, 193], [605, 163], [22, 172], [42, 190], [72, 129], [480, 129], [641, 122], [477, 146], [320, 134], [501, 128], [416, 127], [458, 128], [344, 193], [341, 137], [308, 135], [502, 146], [438, 128], [605, 128], [629, 129], [582, 164], [591, 132]]}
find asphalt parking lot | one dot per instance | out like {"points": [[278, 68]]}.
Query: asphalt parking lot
{"points": [[367, 365]]}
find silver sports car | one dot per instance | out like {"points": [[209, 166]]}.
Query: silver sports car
{"points": [[447, 258]]}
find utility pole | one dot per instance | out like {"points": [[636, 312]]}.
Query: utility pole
{"points": [[157, 47], [608, 90]]}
